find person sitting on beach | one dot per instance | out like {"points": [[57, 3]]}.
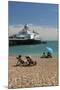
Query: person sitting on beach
{"points": [[49, 55], [43, 56], [20, 61], [30, 60]]}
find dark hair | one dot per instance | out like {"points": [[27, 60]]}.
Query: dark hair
{"points": [[19, 56], [43, 52]]}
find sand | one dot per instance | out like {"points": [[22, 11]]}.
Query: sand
{"points": [[45, 73]]}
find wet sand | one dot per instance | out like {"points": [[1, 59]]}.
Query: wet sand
{"points": [[45, 73]]}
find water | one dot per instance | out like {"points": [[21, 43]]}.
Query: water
{"points": [[34, 50]]}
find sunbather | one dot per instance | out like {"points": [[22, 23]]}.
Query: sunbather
{"points": [[49, 55], [30, 61], [23, 63], [43, 56], [20, 61]]}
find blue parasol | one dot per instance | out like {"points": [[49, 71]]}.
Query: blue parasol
{"points": [[49, 49]]}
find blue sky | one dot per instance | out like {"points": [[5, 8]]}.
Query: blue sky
{"points": [[32, 13]]}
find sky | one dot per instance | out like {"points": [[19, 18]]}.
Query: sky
{"points": [[39, 16]]}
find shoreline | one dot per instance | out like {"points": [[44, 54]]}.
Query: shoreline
{"points": [[45, 73], [14, 56]]}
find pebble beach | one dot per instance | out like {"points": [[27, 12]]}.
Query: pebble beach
{"points": [[44, 73]]}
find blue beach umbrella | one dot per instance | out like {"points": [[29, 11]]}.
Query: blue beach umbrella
{"points": [[49, 49]]}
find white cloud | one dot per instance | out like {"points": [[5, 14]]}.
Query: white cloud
{"points": [[46, 33]]}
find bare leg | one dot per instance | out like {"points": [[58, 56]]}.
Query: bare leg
{"points": [[18, 62]]}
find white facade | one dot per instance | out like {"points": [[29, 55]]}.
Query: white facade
{"points": [[26, 34]]}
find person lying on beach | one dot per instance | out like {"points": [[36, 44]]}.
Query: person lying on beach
{"points": [[23, 63], [31, 62], [20, 61]]}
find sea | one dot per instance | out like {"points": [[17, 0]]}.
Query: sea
{"points": [[34, 50]]}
